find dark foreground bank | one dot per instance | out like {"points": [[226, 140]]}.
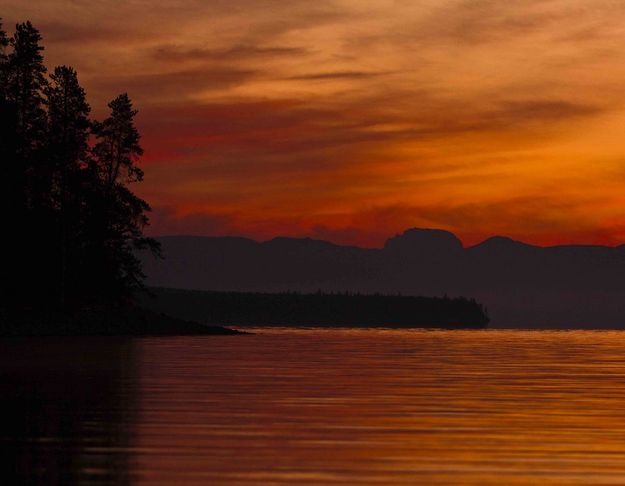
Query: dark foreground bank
{"points": [[319, 309], [99, 321]]}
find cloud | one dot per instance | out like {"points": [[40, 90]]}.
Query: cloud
{"points": [[71, 33], [349, 75], [520, 113], [293, 126], [164, 220], [483, 23], [161, 87], [236, 53]]}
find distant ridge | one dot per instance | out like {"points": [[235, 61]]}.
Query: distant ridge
{"points": [[503, 242], [431, 240], [521, 285]]}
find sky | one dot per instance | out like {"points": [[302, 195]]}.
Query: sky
{"points": [[353, 120]]}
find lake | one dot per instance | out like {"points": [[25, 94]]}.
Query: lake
{"points": [[286, 406]]}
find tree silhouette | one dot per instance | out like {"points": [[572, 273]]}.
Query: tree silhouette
{"points": [[68, 155], [120, 215], [4, 43], [25, 85], [7, 115], [118, 146], [10, 190], [76, 224]]}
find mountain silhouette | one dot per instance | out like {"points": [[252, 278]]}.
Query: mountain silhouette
{"points": [[522, 285], [427, 241]]}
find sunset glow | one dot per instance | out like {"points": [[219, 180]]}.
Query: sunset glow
{"points": [[354, 120]]}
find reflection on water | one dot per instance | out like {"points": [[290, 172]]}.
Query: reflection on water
{"points": [[67, 410], [313, 406]]}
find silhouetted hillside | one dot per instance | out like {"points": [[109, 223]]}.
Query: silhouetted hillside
{"points": [[318, 309], [520, 284]]}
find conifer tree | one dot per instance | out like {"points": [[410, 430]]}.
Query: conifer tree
{"points": [[7, 114], [122, 215], [67, 155], [25, 85], [4, 43], [6, 118], [11, 190], [68, 119], [4, 70]]}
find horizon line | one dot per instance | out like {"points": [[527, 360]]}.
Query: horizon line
{"points": [[465, 247]]}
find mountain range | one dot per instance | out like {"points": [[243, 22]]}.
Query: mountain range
{"points": [[522, 285]]}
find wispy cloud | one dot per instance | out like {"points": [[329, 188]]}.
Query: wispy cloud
{"points": [[350, 75], [236, 53]]}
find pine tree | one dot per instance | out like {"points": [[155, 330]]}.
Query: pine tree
{"points": [[68, 119], [24, 123], [6, 109], [67, 155], [12, 193], [25, 85], [118, 145], [4, 43], [121, 214]]}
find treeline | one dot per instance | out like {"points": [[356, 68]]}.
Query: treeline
{"points": [[319, 309], [71, 222]]}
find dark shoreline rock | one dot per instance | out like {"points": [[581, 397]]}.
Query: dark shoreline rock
{"points": [[102, 321]]}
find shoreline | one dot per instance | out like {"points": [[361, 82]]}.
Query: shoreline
{"points": [[127, 321]]}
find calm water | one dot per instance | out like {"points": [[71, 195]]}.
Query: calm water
{"points": [[317, 406]]}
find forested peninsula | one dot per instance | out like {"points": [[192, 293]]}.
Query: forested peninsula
{"points": [[339, 309], [73, 223]]}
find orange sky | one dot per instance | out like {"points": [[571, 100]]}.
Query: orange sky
{"points": [[352, 120]]}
